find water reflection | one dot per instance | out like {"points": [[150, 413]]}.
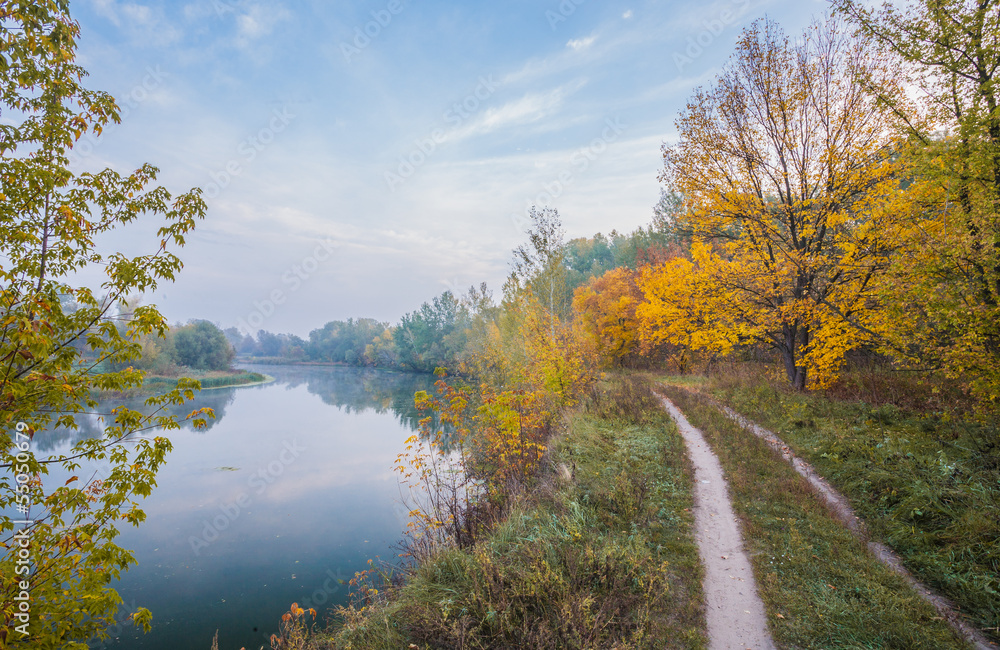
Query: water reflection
{"points": [[354, 390], [286, 494], [376, 390]]}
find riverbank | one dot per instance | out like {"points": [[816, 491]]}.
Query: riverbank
{"points": [[614, 502], [282, 361], [209, 379], [600, 552]]}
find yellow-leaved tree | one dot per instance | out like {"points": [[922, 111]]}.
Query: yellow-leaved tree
{"points": [[790, 165], [945, 284], [684, 308], [606, 306]]}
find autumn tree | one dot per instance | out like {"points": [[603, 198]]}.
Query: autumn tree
{"points": [[59, 536], [607, 308], [946, 281], [787, 163], [684, 309]]}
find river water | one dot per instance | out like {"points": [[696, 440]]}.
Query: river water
{"points": [[287, 493]]}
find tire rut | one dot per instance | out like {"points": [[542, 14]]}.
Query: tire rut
{"points": [[734, 612]]}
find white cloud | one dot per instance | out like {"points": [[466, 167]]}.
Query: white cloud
{"points": [[256, 22], [259, 20], [627, 14], [143, 23], [529, 109], [107, 9], [581, 44]]}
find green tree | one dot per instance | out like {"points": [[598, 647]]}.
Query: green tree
{"points": [[203, 346], [946, 281], [434, 335], [54, 334], [344, 340], [540, 265]]}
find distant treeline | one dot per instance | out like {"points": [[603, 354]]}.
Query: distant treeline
{"points": [[436, 334], [196, 345]]}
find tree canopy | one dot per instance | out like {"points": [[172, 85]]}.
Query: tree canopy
{"points": [[787, 166], [54, 336]]}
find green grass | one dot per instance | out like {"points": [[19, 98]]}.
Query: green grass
{"points": [[600, 554], [156, 384], [821, 587], [918, 482]]}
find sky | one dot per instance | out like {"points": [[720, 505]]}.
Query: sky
{"points": [[360, 158]]}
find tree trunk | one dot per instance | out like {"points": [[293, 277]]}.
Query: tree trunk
{"points": [[790, 346]]}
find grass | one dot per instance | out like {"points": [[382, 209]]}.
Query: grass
{"points": [[819, 584], [208, 379], [918, 480], [599, 554]]}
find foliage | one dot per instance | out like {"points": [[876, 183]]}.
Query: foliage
{"points": [[946, 280], [50, 218], [475, 449], [607, 306], [339, 340], [202, 346], [601, 555], [539, 265], [787, 163], [587, 258], [479, 447], [686, 309], [561, 358], [435, 467], [432, 336], [158, 356], [512, 428], [381, 352], [294, 630]]}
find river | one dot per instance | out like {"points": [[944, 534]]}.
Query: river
{"points": [[286, 494]]}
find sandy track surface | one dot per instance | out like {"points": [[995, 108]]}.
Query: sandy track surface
{"points": [[734, 611]]}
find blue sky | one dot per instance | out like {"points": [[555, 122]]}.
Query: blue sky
{"points": [[359, 158]]}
